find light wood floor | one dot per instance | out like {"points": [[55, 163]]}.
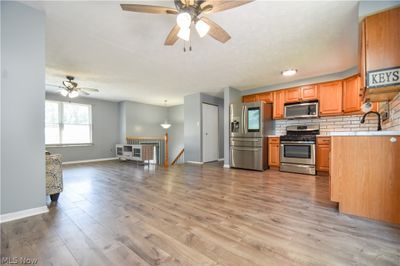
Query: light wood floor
{"points": [[115, 213]]}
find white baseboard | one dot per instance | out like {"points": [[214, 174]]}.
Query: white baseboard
{"points": [[7, 217], [194, 162], [227, 166], [91, 161], [220, 159]]}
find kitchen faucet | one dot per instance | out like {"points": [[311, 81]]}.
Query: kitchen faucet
{"points": [[372, 112]]}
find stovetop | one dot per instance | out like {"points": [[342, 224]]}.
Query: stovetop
{"points": [[301, 133]]}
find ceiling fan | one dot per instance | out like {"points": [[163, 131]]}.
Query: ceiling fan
{"points": [[70, 88], [188, 12]]}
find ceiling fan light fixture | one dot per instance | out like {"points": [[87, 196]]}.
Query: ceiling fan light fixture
{"points": [[289, 72], [184, 34], [73, 94], [64, 92], [184, 20], [202, 28]]}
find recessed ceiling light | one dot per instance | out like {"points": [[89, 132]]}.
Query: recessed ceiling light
{"points": [[289, 72]]}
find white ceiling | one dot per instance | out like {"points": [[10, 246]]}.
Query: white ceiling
{"points": [[122, 53]]}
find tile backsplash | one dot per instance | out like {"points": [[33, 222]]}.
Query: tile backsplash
{"points": [[331, 124], [393, 123]]}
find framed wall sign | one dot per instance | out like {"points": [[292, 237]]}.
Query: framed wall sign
{"points": [[383, 77]]}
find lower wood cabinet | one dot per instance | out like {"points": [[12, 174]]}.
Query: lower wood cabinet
{"points": [[322, 153], [273, 151]]}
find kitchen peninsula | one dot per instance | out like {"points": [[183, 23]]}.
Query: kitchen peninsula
{"points": [[365, 174]]}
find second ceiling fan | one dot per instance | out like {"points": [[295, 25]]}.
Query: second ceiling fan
{"points": [[188, 12]]}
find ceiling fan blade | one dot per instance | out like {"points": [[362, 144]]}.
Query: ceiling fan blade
{"points": [[148, 9], [84, 92], [221, 5], [216, 31], [57, 86], [89, 89], [172, 36]]}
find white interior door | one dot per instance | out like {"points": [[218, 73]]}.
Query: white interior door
{"points": [[210, 132]]}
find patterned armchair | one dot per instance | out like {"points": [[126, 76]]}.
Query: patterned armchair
{"points": [[54, 176]]}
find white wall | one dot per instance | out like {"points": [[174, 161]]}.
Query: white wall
{"points": [[22, 107]]}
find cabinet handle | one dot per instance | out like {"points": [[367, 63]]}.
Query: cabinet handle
{"points": [[393, 140]]}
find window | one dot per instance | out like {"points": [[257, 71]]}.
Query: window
{"points": [[68, 123]]}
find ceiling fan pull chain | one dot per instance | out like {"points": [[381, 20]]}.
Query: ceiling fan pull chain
{"points": [[184, 46], [190, 44]]}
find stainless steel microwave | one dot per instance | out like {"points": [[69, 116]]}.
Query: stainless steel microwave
{"points": [[301, 110]]}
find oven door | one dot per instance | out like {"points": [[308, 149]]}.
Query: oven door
{"points": [[298, 152]]}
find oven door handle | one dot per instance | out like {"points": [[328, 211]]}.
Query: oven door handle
{"points": [[298, 142], [246, 149]]}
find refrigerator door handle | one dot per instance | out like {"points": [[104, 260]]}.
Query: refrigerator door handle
{"points": [[245, 119]]}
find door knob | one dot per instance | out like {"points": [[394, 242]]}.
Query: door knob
{"points": [[393, 139]]}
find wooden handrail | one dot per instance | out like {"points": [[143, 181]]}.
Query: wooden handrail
{"points": [[177, 157], [146, 138]]}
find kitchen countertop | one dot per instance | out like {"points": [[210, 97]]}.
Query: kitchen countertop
{"points": [[366, 133]]}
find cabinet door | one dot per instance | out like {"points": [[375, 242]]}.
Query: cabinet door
{"points": [[266, 97], [278, 104], [309, 93], [250, 98], [323, 157], [382, 38], [351, 95], [292, 95], [330, 98], [273, 154]]}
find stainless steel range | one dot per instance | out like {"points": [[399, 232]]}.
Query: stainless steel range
{"points": [[298, 149]]}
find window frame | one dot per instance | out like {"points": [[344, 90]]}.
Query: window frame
{"points": [[60, 105]]}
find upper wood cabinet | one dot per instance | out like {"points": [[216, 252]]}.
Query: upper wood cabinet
{"points": [[304, 93], [330, 98], [292, 95], [309, 92], [250, 98], [266, 97], [380, 49], [351, 95], [279, 101]]}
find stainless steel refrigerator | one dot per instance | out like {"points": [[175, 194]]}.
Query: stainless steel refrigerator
{"points": [[250, 123]]}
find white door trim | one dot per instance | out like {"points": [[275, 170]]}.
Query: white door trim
{"points": [[204, 159]]}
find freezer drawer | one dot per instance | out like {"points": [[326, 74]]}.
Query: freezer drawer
{"points": [[246, 142], [247, 158]]}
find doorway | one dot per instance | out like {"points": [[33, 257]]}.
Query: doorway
{"points": [[210, 132]]}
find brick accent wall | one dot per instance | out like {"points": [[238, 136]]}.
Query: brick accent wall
{"points": [[393, 122], [331, 124]]}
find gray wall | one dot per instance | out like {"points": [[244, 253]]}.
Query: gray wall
{"points": [[105, 130], [143, 120], [231, 95], [175, 132], [295, 83], [22, 107], [193, 125]]}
